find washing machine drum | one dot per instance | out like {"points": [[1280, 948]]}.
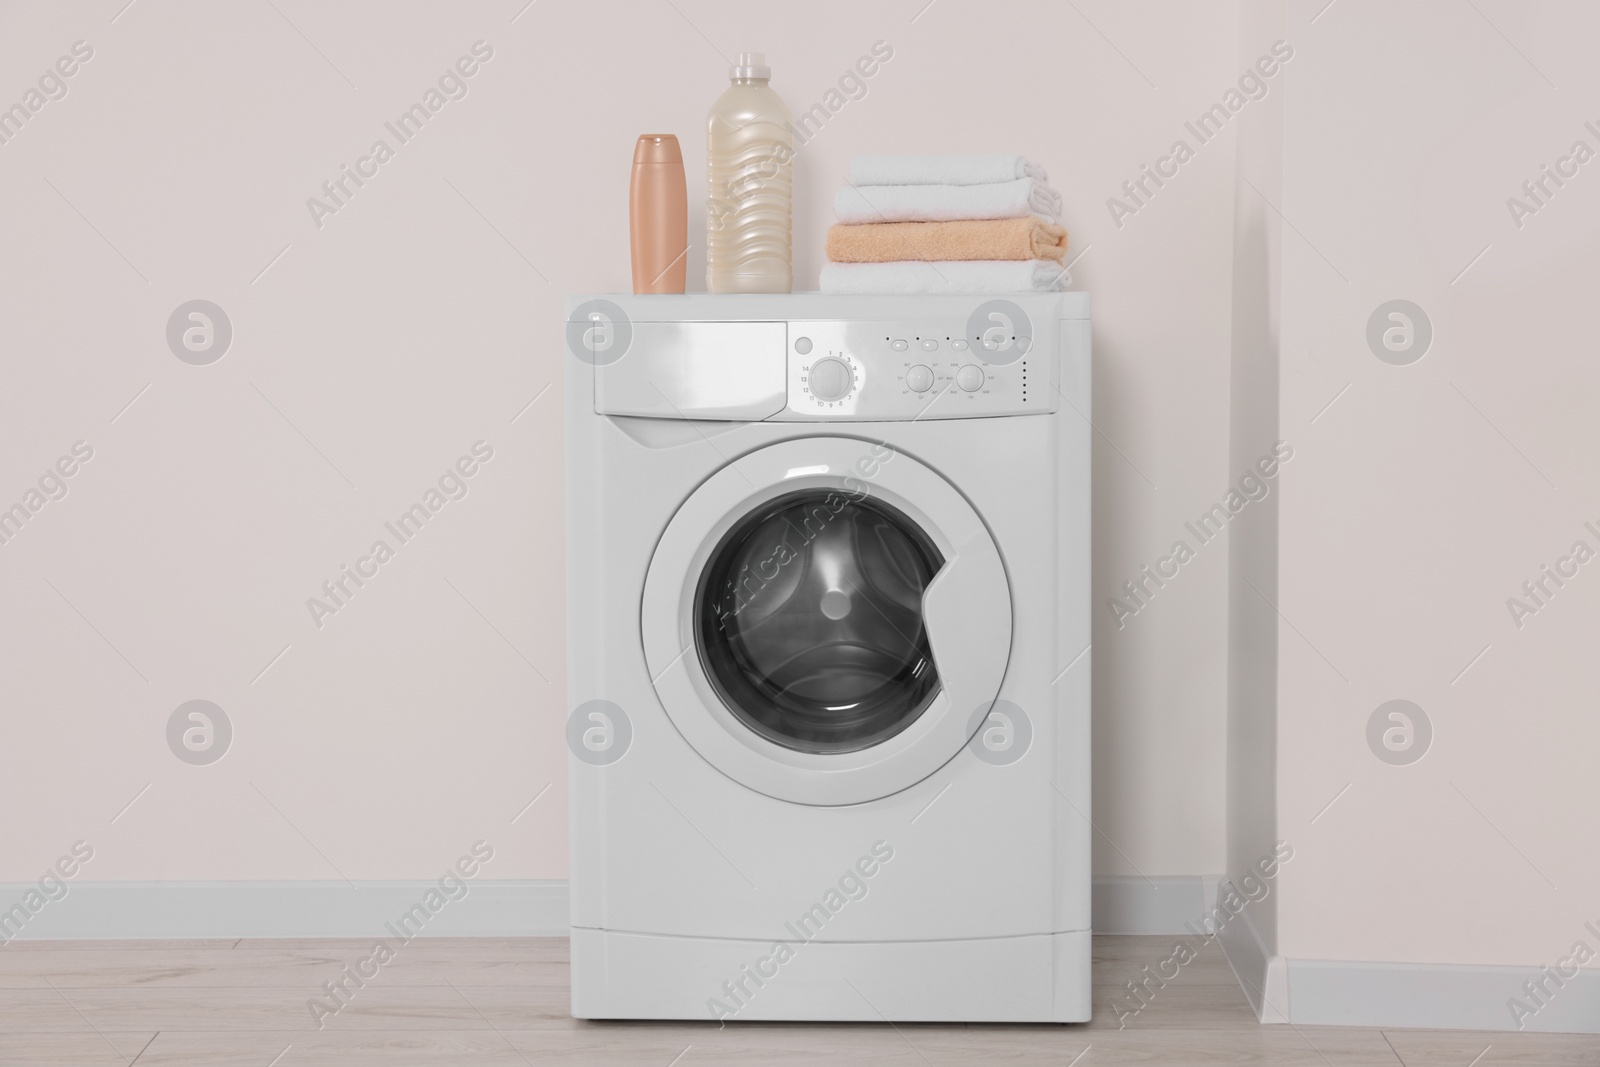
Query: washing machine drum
{"points": [[810, 621], [821, 635]]}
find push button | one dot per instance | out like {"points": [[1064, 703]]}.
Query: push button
{"points": [[930, 345], [900, 345]]}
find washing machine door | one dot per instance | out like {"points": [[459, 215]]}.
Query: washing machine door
{"points": [[826, 620]]}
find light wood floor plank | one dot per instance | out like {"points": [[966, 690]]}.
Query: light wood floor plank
{"points": [[1454, 1048], [414, 964], [504, 1001], [771, 1046], [75, 1049], [376, 1007]]}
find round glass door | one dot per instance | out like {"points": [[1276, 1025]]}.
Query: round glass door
{"points": [[820, 640], [809, 621]]}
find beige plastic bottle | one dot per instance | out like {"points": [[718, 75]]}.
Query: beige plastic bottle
{"points": [[749, 206]]}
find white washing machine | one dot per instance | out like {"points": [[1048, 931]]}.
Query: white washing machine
{"points": [[828, 621]]}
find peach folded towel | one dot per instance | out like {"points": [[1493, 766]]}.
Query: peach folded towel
{"points": [[937, 242]]}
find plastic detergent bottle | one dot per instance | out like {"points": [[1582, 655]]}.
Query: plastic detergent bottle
{"points": [[750, 165]]}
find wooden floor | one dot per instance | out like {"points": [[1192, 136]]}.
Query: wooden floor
{"points": [[494, 1002]]}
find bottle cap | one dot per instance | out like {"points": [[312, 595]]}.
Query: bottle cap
{"points": [[657, 148], [749, 65]]}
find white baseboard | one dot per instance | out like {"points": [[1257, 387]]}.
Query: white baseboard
{"points": [[1261, 974], [1162, 904], [1403, 995], [141, 910], [1439, 997]]}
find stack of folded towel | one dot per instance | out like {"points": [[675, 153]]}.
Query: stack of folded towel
{"points": [[945, 224]]}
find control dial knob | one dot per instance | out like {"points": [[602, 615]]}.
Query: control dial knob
{"points": [[830, 379]]}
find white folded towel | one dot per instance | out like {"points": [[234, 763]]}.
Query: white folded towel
{"points": [[969, 276], [942, 170], [943, 203]]}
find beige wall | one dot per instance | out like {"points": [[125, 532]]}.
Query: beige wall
{"points": [[1424, 497], [419, 319]]}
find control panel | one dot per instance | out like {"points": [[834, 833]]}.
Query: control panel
{"points": [[895, 370]]}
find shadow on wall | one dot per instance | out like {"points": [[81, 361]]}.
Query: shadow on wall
{"points": [[1253, 562]]}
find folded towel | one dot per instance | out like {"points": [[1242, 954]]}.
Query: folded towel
{"points": [[941, 170], [942, 203], [974, 276], [966, 239]]}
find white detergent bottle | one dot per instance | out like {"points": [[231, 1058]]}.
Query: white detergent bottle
{"points": [[750, 166]]}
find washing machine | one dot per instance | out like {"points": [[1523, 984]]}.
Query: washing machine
{"points": [[828, 626]]}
